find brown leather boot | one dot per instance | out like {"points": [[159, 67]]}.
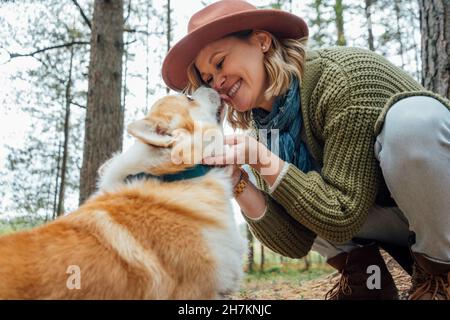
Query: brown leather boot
{"points": [[430, 279], [353, 282]]}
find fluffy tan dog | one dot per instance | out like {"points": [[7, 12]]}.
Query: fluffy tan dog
{"points": [[140, 236]]}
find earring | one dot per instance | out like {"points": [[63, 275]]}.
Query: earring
{"points": [[263, 47]]}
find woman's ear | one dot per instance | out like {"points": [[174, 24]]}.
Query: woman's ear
{"points": [[263, 39]]}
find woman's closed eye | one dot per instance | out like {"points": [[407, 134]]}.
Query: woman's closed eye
{"points": [[219, 66]]}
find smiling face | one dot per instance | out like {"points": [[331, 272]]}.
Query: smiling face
{"points": [[234, 67]]}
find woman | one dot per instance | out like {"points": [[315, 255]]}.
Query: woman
{"points": [[346, 123]]}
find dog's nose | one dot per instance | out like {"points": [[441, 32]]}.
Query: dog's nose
{"points": [[214, 97], [208, 93]]}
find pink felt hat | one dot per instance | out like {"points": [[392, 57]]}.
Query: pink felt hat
{"points": [[218, 20]]}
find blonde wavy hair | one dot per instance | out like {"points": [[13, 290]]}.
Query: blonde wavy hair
{"points": [[284, 59]]}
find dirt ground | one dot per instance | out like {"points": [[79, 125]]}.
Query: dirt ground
{"points": [[312, 289]]}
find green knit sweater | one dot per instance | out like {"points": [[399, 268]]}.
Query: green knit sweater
{"points": [[345, 94]]}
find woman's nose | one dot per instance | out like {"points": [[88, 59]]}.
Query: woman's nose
{"points": [[219, 83]]}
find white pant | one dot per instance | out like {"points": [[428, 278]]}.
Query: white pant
{"points": [[413, 149]]}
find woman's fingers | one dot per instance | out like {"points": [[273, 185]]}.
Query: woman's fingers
{"points": [[232, 155], [234, 139], [238, 150]]}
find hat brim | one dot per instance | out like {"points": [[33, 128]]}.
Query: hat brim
{"points": [[280, 23]]}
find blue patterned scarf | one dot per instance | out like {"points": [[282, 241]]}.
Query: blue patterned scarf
{"points": [[286, 116]]}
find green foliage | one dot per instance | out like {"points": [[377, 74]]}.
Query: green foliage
{"points": [[20, 223], [289, 271]]}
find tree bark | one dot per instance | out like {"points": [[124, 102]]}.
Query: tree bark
{"points": [[65, 156], [104, 114], [251, 251], [368, 14], [435, 30]]}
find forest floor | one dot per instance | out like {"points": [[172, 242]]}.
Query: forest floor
{"points": [[308, 285]]}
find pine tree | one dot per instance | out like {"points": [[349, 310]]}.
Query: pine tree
{"points": [[435, 30], [105, 115], [339, 15], [54, 36]]}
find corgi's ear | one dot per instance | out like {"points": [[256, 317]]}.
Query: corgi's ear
{"points": [[153, 134]]}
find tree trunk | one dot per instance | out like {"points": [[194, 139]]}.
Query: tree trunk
{"points": [[398, 35], [368, 14], [413, 15], [263, 258], [169, 32], [435, 30], [65, 156], [124, 78], [251, 251], [56, 193], [317, 20], [307, 262], [339, 12], [104, 114], [147, 61]]}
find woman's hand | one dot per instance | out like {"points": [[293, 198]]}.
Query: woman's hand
{"points": [[239, 150], [243, 149]]}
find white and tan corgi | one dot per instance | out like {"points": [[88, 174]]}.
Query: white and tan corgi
{"points": [[141, 236]]}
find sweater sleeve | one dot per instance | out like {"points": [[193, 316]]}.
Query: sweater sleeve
{"points": [[334, 203], [278, 230]]}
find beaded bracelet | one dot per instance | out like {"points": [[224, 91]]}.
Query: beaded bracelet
{"points": [[242, 183]]}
